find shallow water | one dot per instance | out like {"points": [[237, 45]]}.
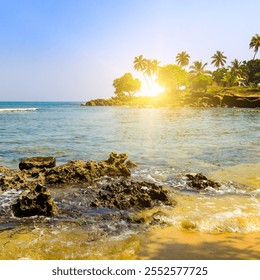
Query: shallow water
{"points": [[220, 142]]}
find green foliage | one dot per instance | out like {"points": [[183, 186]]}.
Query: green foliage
{"points": [[126, 84], [182, 59], [139, 63], [201, 82], [171, 77], [255, 44], [254, 69], [231, 79], [218, 59], [198, 68], [218, 75]]}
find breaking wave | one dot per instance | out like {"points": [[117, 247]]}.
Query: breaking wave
{"points": [[17, 109]]}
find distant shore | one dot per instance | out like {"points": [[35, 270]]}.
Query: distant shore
{"points": [[241, 97]]}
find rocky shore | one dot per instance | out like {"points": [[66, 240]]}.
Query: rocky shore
{"points": [[195, 99], [105, 184], [43, 189], [227, 100]]}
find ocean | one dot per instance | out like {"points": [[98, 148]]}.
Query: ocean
{"points": [[222, 143], [191, 138]]}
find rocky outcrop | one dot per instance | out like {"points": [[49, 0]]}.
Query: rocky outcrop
{"points": [[105, 184], [37, 163], [201, 182], [128, 194], [99, 102], [79, 171], [241, 102], [38, 172], [201, 99], [34, 201]]}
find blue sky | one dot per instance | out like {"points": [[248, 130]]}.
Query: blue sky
{"points": [[72, 50]]}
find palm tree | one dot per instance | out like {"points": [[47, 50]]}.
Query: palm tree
{"points": [[155, 66], [218, 59], [148, 67], [239, 69], [140, 64], [182, 59], [198, 68], [255, 43], [151, 67]]}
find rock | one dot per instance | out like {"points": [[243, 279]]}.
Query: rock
{"points": [[35, 201], [130, 164], [6, 171], [37, 162], [79, 171], [200, 182], [127, 194], [13, 181], [240, 102], [202, 99]]}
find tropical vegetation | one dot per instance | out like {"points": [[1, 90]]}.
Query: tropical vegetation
{"points": [[126, 84], [182, 59], [177, 79], [255, 44], [218, 59]]}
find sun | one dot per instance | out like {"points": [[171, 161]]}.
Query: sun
{"points": [[151, 89]]}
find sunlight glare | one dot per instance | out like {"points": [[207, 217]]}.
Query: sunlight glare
{"points": [[153, 89]]}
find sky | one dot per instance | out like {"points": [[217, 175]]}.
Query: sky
{"points": [[72, 50]]}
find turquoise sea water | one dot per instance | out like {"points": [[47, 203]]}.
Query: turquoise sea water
{"points": [[166, 143], [185, 138]]}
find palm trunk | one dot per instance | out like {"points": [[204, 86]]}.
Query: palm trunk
{"points": [[146, 80]]}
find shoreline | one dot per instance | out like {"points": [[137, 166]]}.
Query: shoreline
{"points": [[226, 98]]}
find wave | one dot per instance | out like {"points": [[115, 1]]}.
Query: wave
{"points": [[17, 109]]}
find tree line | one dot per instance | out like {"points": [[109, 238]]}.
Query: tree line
{"points": [[173, 77]]}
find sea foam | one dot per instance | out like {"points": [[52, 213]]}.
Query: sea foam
{"points": [[17, 109]]}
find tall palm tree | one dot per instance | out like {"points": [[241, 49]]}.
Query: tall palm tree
{"points": [[218, 59], [140, 64], [182, 59], [255, 43], [151, 67], [148, 67], [198, 68], [155, 66]]}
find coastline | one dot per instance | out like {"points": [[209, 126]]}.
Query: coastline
{"points": [[227, 98]]}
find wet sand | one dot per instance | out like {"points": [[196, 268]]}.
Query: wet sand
{"points": [[173, 244]]}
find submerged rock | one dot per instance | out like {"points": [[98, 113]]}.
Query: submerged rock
{"points": [[201, 182], [35, 201], [37, 162]]}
